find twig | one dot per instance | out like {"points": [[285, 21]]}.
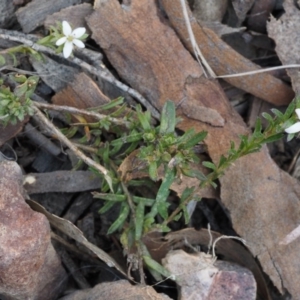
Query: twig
{"points": [[259, 71], [77, 111], [28, 41], [56, 132], [198, 54]]}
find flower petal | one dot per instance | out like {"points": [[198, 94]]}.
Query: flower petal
{"points": [[78, 32], [68, 48], [67, 30], [61, 41], [297, 110], [78, 43], [293, 129]]}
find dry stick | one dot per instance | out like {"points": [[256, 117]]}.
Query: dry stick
{"points": [[73, 110], [25, 39], [198, 54], [68, 143]]}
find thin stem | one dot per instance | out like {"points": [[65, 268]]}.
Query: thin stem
{"points": [[83, 112], [57, 134]]}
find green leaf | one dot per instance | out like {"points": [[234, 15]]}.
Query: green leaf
{"points": [[257, 129], [19, 78], [222, 160], [163, 193], [153, 170], [209, 165], [127, 139], [21, 89], [109, 181], [177, 217], [168, 118], [113, 103], [144, 119], [188, 134], [109, 197], [185, 215], [106, 207], [273, 138], [155, 266], [124, 212], [139, 220], [277, 113], [197, 138], [188, 191], [290, 136], [290, 110], [268, 117], [2, 60]]}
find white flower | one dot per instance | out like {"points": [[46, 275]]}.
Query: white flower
{"points": [[70, 38], [296, 127]]}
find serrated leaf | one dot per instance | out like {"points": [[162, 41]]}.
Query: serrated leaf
{"points": [[168, 118]]}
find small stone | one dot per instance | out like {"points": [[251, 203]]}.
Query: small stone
{"points": [[29, 265], [121, 289], [200, 277]]}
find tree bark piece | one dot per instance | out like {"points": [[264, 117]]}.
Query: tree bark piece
{"points": [[263, 201], [224, 60], [120, 289], [34, 13]]}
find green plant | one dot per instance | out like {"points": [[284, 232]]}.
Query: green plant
{"points": [[122, 132], [14, 106]]}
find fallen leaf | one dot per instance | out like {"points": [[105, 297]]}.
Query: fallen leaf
{"points": [[285, 32], [73, 232], [224, 60]]}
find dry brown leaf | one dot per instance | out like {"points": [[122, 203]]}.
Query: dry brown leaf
{"points": [[263, 201], [73, 232], [134, 168], [210, 11], [259, 14], [9, 131], [224, 60], [82, 92], [241, 7], [285, 32]]}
